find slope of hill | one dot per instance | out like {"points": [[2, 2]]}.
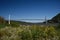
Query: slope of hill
{"points": [[55, 19]]}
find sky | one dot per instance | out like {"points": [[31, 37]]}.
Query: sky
{"points": [[29, 9]]}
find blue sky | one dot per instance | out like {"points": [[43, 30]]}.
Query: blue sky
{"points": [[29, 9]]}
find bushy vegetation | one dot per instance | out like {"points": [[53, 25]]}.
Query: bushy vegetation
{"points": [[29, 33], [2, 20]]}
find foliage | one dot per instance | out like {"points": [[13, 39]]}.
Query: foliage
{"points": [[2, 25], [2, 20], [29, 33]]}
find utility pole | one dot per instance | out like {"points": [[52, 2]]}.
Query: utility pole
{"points": [[9, 19]]}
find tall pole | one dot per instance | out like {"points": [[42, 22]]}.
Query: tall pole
{"points": [[9, 19], [45, 19]]}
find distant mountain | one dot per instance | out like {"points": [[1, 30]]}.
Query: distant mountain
{"points": [[18, 23], [55, 19]]}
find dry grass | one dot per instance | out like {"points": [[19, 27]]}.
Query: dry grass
{"points": [[29, 33]]}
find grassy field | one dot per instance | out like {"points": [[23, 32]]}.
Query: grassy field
{"points": [[33, 32]]}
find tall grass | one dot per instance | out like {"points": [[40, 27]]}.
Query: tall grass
{"points": [[29, 33]]}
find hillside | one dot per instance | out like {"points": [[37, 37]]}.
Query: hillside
{"points": [[55, 19]]}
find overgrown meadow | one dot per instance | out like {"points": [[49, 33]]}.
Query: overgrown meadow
{"points": [[33, 32]]}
